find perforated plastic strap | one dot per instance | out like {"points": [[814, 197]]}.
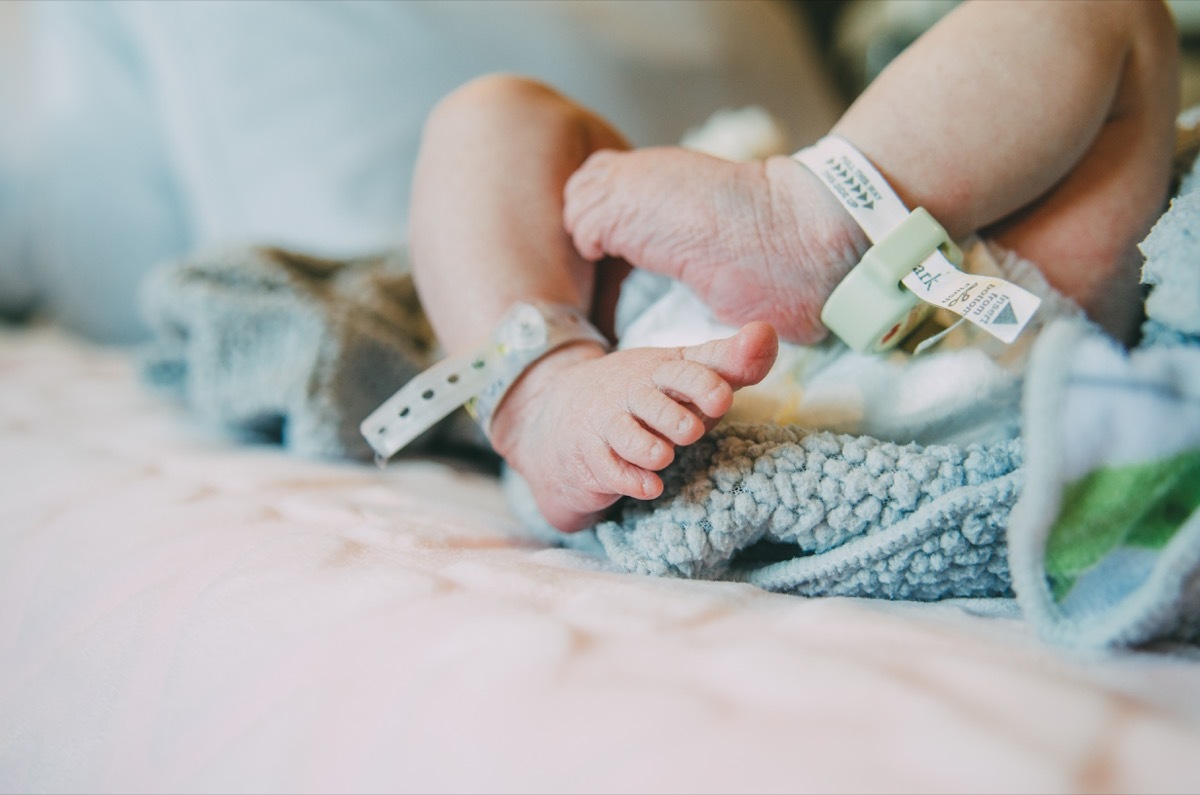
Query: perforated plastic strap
{"points": [[870, 310], [479, 379]]}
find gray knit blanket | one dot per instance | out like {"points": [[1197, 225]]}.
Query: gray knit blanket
{"points": [[277, 346]]}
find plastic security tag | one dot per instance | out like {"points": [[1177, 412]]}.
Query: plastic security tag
{"points": [[1001, 308], [871, 310]]}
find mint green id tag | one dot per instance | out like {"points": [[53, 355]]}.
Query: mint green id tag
{"points": [[871, 311]]}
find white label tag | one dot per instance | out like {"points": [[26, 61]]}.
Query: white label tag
{"points": [[999, 307]]}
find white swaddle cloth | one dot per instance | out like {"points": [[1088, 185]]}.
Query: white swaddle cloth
{"points": [[966, 388]]}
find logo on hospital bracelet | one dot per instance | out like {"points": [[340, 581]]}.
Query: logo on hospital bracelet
{"points": [[1006, 316]]}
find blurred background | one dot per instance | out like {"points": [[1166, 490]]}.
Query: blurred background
{"points": [[133, 133]]}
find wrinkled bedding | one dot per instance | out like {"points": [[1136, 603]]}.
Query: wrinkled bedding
{"points": [[180, 611]]}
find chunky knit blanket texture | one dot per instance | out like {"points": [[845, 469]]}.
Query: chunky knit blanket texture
{"points": [[826, 514]]}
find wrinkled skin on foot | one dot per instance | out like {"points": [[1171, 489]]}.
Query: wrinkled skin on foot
{"points": [[755, 241], [585, 428]]}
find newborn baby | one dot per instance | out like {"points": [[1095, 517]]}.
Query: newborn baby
{"points": [[522, 195]]}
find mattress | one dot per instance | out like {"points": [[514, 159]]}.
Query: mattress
{"points": [[181, 611]]}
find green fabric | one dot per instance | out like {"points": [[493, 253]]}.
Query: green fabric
{"points": [[1139, 505]]}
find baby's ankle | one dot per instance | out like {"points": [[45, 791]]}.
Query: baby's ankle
{"points": [[823, 240], [523, 401]]}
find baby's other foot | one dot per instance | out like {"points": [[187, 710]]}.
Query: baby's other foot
{"points": [[585, 428], [755, 241]]}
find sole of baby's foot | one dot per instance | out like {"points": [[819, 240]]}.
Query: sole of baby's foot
{"points": [[585, 429], [755, 241]]}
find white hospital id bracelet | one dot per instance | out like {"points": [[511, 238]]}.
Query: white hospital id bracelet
{"points": [[479, 379], [910, 267]]}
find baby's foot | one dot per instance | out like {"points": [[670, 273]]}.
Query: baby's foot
{"points": [[584, 427], [756, 241]]}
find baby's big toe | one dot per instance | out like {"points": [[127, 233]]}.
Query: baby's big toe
{"points": [[743, 359]]}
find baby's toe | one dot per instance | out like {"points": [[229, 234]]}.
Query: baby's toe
{"points": [[617, 475], [741, 360], [631, 441], [691, 382], [665, 416]]}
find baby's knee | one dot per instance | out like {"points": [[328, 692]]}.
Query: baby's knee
{"points": [[1152, 77], [1154, 23], [496, 101]]}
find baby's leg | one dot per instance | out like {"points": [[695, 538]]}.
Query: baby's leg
{"points": [[1090, 223], [582, 427], [486, 220], [1047, 126]]}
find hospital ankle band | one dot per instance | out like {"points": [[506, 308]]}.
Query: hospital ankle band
{"points": [[909, 269], [479, 379]]}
